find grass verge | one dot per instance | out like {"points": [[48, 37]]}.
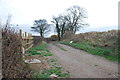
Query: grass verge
{"points": [[47, 72], [39, 50], [105, 52]]}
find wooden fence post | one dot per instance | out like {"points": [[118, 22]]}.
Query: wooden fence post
{"points": [[20, 41], [26, 42]]}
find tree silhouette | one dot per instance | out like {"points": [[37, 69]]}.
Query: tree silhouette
{"points": [[41, 26], [75, 18]]}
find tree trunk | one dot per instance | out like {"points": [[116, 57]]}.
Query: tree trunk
{"points": [[58, 31], [41, 34], [59, 38], [62, 31]]}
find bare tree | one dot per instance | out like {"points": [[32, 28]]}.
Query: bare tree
{"points": [[72, 21], [63, 22], [56, 21], [75, 18], [41, 26], [60, 25]]}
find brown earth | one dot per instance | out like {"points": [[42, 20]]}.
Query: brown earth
{"points": [[81, 64]]}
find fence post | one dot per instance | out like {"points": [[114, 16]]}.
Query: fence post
{"points": [[26, 42], [20, 32], [20, 41], [25, 34]]}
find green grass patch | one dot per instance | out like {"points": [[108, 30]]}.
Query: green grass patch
{"points": [[33, 52], [105, 52], [39, 50], [40, 47], [46, 54], [47, 72], [52, 60], [28, 55]]}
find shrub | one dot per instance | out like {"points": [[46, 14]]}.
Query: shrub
{"points": [[54, 37], [12, 63]]}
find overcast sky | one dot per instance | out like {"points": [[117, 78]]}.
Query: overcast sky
{"points": [[100, 12]]}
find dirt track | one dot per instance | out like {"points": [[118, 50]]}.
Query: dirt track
{"points": [[81, 64]]}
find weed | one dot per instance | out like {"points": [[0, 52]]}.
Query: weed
{"points": [[52, 60]]}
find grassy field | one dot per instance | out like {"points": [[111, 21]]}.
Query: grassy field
{"points": [[105, 52]]}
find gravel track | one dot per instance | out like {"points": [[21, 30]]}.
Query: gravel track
{"points": [[81, 64]]}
